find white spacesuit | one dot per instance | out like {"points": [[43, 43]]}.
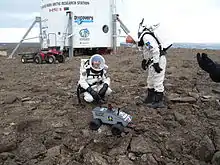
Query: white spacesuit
{"points": [[155, 61], [94, 81]]}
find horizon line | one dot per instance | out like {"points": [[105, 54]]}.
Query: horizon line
{"points": [[124, 42]]}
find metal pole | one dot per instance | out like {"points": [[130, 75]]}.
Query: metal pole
{"points": [[70, 32], [11, 55], [114, 26], [114, 33], [41, 36]]}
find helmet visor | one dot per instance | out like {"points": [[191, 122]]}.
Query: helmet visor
{"points": [[97, 62]]}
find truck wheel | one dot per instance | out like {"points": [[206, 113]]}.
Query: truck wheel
{"points": [[95, 124], [38, 59], [61, 58], [51, 59], [117, 129], [23, 59]]}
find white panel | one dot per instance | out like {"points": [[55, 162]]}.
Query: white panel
{"points": [[88, 33]]}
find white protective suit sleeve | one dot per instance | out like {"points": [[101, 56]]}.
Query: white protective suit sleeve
{"points": [[151, 45], [82, 81]]}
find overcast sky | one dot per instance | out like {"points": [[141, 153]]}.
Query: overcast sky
{"points": [[181, 20]]}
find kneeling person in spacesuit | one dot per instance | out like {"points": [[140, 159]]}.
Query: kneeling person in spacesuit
{"points": [[94, 80]]}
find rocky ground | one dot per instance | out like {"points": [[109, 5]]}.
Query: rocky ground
{"points": [[42, 124]]}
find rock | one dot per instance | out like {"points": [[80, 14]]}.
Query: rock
{"points": [[217, 138], [53, 152], [60, 112], [58, 124], [193, 94], [139, 145], [85, 132], [121, 148], [170, 124], [206, 98], [211, 114], [216, 158], [123, 160], [94, 158], [183, 78], [47, 161], [10, 162], [180, 118], [6, 155], [144, 157], [131, 156], [149, 159], [155, 136], [182, 99], [104, 129], [31, 148], [2, 78], [174, 146], [217, 91], [56, 136], [26, 99], [143, 145], [8, 143], [199, 163], [32, 102], [169, 85], [10, 99], [206, 149]]}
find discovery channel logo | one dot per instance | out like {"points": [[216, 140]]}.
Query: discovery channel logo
{"points": [[83, 19]]}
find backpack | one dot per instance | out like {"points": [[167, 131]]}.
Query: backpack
{"points": [[141, 42]]}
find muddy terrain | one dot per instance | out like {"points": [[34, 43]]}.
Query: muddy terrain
{"points": [[41, 122]]}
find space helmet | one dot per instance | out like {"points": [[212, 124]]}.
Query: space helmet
{"points": [[97, 62]]}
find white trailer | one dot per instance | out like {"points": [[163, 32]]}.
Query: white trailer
{"points": [[79, 25], [91, 27]]}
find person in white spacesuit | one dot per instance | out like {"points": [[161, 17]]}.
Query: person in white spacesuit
{"points": [[94, 80], [155, 61]]}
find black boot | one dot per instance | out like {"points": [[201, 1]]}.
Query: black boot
{"points": [[150, 96], [158, 101]]}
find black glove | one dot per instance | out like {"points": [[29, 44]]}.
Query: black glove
{"points": [[143, 64], [157, 67], [206, 63], [94, 94], [103, 90], [215, 74]]}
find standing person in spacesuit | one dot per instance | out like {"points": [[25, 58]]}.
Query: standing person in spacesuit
{"points": [[155, 61], [94, 81]]}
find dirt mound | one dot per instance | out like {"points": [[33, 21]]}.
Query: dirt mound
{"points": [[41, 122]]}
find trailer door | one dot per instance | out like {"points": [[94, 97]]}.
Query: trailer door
{"points": [[52, 39]]}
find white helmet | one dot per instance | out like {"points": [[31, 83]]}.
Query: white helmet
{"points": [[150, 26], [97, 62]]}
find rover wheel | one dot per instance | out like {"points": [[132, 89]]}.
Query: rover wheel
{"points": [[38, 59], [51, 59], [23, 60], [95, 124], [117, 129], [61, 58]]}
